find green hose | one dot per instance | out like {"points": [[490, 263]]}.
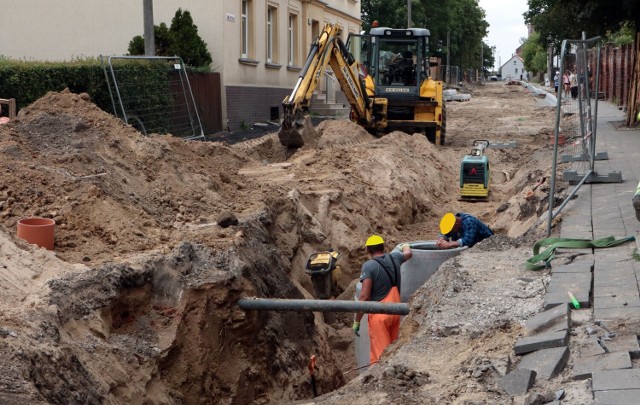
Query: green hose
{"points": [[542, 260]]}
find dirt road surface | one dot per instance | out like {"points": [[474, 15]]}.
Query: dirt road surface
{"points": [[137, 304]]}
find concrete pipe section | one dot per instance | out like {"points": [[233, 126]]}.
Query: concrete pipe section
{"points": [[414, 273]]}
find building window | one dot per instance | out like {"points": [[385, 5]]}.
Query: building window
{"points": [[516, 70], [245, 28], [293, 22], [271, 30]]}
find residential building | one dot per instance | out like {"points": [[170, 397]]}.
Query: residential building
{"points": [[513, 69], [258, 46]]}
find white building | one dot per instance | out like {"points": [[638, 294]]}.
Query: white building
{"points": [[514, 69], [258, 46]]}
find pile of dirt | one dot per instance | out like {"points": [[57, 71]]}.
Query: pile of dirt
{"points": [[140, 305]]}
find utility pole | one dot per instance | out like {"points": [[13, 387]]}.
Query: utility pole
{"points": [[149, 34], [482, 61], [409, 23], [448, 77]]}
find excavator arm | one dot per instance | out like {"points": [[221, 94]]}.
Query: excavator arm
{"points": [[326, 49]]}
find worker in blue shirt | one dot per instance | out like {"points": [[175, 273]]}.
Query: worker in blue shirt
{"points": [[461, 230]]}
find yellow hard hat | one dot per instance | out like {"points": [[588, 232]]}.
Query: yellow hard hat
{"points": [[447, 223], [374, 240]]}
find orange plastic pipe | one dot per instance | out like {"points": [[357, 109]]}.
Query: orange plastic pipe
{"points": [[37, 231]]}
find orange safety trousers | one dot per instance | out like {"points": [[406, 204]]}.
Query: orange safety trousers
{"points": [[383, 328]]}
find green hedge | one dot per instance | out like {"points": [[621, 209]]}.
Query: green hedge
{"points": [[28, 81]]}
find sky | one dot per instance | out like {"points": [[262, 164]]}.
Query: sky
{"points": [[506, 26]]}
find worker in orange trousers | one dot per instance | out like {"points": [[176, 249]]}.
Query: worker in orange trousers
{"points": [[380, 280]]}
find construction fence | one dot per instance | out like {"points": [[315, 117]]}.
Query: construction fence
{"points": [[575, 135]]}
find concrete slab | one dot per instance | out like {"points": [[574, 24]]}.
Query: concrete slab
{"points": [[547, 363], [575, 267], [584, 367], [562, 281], [624, 343], [616, 291], [589, 347], [616, 380], [613, 314], [545, 319], [617, 397], [538, 342], [553, 298], [610, 278], [518, 381], [616, 302]]}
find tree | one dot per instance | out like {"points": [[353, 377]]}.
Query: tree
{"points": [[534, 55], [162, 40], [186, 42], [464, 19], [181, 39]]}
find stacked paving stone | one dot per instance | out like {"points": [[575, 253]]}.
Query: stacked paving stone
{"points": [[544, 350]]}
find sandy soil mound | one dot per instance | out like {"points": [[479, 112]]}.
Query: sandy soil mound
{"points": [[110, 190]]}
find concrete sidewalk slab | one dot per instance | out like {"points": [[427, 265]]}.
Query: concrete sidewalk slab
{"points": [[557, 316], [575, 267], [538, 342], [547, 363], [617, 397], [590, 347], [628, 314], [518, 381], [616, 380], [616, 291], [583, 368], [624, 343], [616, 302]]}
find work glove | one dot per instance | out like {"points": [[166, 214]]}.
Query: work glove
{"points": [[356, 328], [404, 245]]}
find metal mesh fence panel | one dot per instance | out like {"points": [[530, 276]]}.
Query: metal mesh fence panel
{"points": [[153, 94], [450, 74], [576, 118]]}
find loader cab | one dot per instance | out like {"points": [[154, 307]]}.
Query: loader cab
{"points": [[396, 59]]}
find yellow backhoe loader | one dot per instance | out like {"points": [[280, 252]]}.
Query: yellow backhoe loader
{"points": [[388, 85]]}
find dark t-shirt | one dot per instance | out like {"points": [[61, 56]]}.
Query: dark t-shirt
{"points": [[382, 283]]}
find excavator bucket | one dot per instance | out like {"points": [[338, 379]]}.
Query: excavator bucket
{"points": [[297, 132]]}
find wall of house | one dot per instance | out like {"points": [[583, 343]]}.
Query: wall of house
{"points": [[513, 69], [88, 28]]}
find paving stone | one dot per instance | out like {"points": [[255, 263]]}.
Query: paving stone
{"points": [[624, 343], [589, 347], [623, 313], [538, 342], [552, 403], [616, 302], [616, 291], [518, 381], [622, 276], [547, 363], [554, 298], [617, 397], [575, 267], [616, 380], [548, 318], [562, 280], [584, 367]]}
